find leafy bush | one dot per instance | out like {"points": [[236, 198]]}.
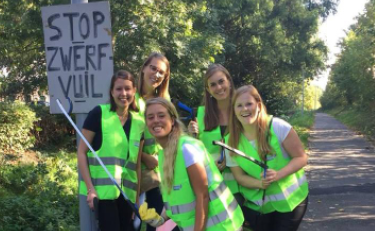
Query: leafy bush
{"points": [[302, 124], [40, 197], [16, 122], [52, 129]]}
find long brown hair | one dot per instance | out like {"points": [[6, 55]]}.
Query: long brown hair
{"points": [[170, 152], [163, 89], [235, 127], [211, 115], [125, 75]]}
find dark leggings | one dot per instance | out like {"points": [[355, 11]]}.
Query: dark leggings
{"points": [[115, 215], [275, 221]]}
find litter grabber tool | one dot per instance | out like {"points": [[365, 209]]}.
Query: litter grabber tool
{"points": [[257, 162], [133, 206], [187, 109], [238, 152], [222, 153]]}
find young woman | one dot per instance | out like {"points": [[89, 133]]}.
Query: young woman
{"points": [[153, 79], [212, 119], [193, 191], [113, 130], [278, 201], [153, 82]]}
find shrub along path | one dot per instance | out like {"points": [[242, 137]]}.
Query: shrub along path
{"points": [[341, 175]]}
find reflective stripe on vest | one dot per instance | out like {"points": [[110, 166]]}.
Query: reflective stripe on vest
{"points": [[131, 166], [285, 194], [106, 161], [149, 141], [104, 181], [177, 209], [129, 184], [218, 218]]}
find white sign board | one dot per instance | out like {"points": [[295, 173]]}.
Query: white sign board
{"points": [[79, 55]]}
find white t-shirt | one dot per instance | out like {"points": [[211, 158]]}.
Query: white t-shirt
{"points": [[192, 154], [281, 128]]}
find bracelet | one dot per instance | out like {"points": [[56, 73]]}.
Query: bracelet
{"points": [[89, 190]]}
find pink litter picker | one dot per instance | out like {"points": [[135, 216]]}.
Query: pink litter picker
{"points": [[167, 226]]}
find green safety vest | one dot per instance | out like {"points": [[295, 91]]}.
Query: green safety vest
{"points": [[223, 211], [207, 137], [114, 153], [283, 195], [149, 146]]}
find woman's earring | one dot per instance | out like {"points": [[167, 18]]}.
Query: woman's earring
{"points": [[210, 96]]}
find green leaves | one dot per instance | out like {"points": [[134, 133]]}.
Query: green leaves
{"points": [[259, 42], [352, 77], [16, 122]]}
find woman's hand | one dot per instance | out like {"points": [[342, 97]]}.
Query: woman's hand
{"points": [[221, 166], [193, 128], [150, 161], [271, 176], [91, 194]]}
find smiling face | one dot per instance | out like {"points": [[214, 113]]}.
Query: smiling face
{"points": [[218, 86], [246, 109], [159, 121], [123, 93], [154, 74]]}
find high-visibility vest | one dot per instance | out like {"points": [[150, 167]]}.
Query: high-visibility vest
{"points": [[283, 195], [149, 146], [119, 154], [207, 137], [223, 211]]}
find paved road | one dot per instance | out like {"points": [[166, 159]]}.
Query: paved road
{"points": [[341, 175]]}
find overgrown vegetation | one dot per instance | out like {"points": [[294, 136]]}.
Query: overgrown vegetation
{"points": [[38, 190], [350, 94], [302, 123], [40, 196], [359, 120], [52, 131], [16, 123], [264, 42]]}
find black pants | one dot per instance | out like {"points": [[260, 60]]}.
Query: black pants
{"points": [[115, 215], [275, 221], [155, 200]]}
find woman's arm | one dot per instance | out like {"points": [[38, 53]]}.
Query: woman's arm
{"points": [[198, 179], [83, 166], [247, 181], [150, 161], [293, 146]]}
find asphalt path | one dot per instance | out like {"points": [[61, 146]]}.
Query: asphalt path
{"points": [[341, 175]]}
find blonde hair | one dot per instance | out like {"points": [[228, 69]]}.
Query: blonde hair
{"points": [[235, 127], [163, 89], [170, 152], [211, 114]]}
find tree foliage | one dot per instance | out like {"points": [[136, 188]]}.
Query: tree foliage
{"points": [[352, 79], [268, 43]]}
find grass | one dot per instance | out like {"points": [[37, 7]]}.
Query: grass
{"points": [[302, 124], [356, 118]]}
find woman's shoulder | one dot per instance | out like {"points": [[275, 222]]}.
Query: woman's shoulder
{"points": [[277, 121], [281, 128]]}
